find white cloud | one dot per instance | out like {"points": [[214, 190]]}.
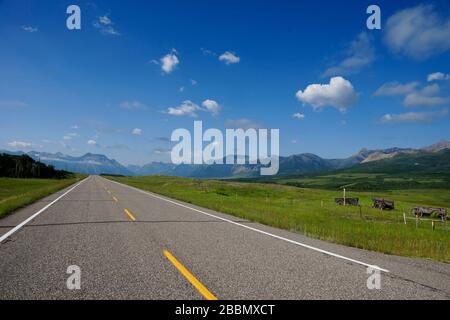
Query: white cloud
{"points": [[20, 144], [29, 29], [298, 116], [104, 25], [189, 108], [169, 62], [75, 127], [133, 105], [413, 117], [427, 96], [418, 32], [193, 82], [339, 93], [136, 131], [242, 123], [186, 108], [229, 57], [105, 20], [359, 55], [70, 136], [12, 104], [396, 89], [212, 106], [438, 76], [181, 89], [92, 143]]}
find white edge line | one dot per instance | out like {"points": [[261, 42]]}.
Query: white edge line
{"points": [[257, 230], [20, 225]]}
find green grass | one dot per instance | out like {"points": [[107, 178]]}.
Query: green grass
{"points": [[301, 210], [365, 181], [17, 193]]}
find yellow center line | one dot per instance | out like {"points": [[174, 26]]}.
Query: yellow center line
{"points": [[115, 199], [109, 192], [129, 214], [190, 277]]}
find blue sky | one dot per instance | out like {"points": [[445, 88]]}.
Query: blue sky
{"points": [[137, 70]]}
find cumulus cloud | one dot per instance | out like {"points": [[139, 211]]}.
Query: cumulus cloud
{"points": [[186, 108], [396, 89], [133, 105], [298, 116], [169, 62], [211, 106], [20, 144], [105, 26], [30, 29], [359, 55], [92, 143], [136, 132], [413, 117], [418, 32], [427, 96], [339, 93], [189, 108], [229, 58], [438, 76]]}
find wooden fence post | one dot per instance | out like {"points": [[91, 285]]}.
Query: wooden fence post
{"points": [[404, 217]]}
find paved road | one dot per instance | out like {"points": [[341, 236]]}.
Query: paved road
{"points": [[164, 249]]}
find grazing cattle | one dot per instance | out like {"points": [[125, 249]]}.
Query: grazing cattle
{"points": [[428, 211], [383, 204]]}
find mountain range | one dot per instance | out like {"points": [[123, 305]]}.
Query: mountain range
{"points": [[305, 163]]}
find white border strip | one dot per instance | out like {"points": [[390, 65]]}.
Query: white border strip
{"points": [[20, 225], [256, 230]]}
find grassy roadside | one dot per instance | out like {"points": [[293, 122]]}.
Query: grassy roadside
{"points": [[17, 193], [313, 212]]}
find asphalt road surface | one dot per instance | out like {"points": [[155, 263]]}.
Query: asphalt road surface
{"points": [[129, 244]]}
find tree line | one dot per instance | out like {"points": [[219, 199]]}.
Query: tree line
{"points": [[24, 166]]}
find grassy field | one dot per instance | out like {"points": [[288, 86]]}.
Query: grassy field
{"points": [[365, 181], [17, 193], [312, 212]]}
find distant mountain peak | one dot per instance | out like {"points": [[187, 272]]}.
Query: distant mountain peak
{"points": [[441, 145], [303, 163]]}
